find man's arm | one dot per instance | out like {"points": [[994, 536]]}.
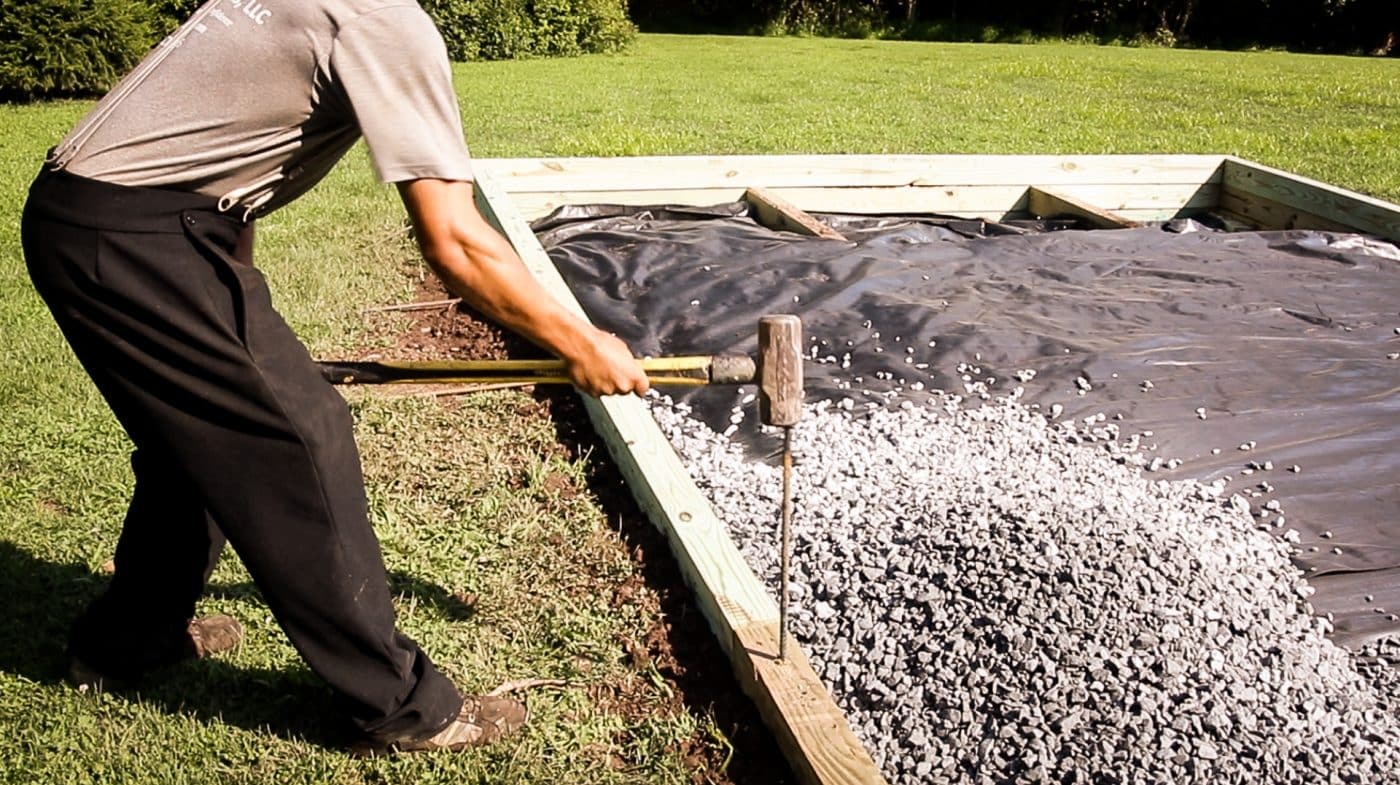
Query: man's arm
{"points": [[476, 263]]}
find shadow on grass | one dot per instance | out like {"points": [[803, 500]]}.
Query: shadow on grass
{"points": [[41, 598], [449, 605]]}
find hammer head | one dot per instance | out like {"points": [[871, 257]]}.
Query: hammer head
{"points": [[780, 370]]}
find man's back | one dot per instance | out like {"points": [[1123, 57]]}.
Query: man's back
{"points": [[253, 101]]}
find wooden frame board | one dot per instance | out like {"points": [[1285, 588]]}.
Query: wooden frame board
{"points": [[1109, 191], [810, 728], [1136, 187], [1276, 199], [1049, 203]]}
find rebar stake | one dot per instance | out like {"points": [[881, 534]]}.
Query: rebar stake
{"points": [[786, 544]]}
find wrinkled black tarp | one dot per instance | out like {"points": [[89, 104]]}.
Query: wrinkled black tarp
{"points": [[1282, 337]]}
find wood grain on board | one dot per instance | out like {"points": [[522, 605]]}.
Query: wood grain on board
{"points": [[810, 728]]}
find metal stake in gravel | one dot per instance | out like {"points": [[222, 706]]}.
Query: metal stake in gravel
{"points": [[780, 404]]}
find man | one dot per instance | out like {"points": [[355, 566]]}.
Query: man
{"points": [[138, 235]]}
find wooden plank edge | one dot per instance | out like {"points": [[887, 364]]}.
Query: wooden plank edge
{"points": [[1311, 200], [811, 730], [985, 201], [1048, 203], [1234, 222], [805, 716], [1267, 214], [776, 212], [523, 175]]}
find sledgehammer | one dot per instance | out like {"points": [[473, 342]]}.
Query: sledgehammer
{"points": [[716, 369], [777, 370], [780, 390]]}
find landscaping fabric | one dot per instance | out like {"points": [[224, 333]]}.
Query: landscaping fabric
{"points": [[1268, 358]]}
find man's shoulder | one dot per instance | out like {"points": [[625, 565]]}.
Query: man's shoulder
{"points": [[351, 9], [402, 21]]}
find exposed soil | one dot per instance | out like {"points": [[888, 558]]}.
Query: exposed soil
{"points": [[679, 645]]}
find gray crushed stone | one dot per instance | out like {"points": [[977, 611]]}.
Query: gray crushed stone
{"points": [[996, 596]]}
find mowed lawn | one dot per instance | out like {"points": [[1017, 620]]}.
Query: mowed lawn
{"points": [[1336, 119], [466, 496]]}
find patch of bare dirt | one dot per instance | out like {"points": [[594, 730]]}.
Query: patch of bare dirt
{"points": [[679, 645]]}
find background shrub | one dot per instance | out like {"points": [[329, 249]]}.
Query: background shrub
{"points": [[52, 48], [1350, 26], [70, 47], [503, 29], [170, 13]]}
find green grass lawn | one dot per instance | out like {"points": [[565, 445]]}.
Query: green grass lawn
{"points": [[465, 497], [1336, 119]]}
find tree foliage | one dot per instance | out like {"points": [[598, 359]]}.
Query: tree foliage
{"points": [[1332, 25], [504, 29], [170, 13], [81, 47], [50, 47]]}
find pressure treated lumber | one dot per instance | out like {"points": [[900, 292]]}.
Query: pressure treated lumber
{"points": [[809, 727], [1261, 213], [1047, 203], [807, 724], [1144, 202], [778, 213], [531, 175], [1281, 200], [991, 187]]}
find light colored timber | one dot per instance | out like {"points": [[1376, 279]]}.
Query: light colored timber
{"points": [[776, 212], [537, 204], [989, 199], [810, 729], [1261, 213], [1047, 203], [1234, 222], [525, 175], [1143, 202], [1278, 199]]}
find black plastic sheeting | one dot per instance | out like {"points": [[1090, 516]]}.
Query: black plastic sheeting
{"points": [[1283, 337]]}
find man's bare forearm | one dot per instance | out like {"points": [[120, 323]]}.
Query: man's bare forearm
{"points": [[475, 262]]}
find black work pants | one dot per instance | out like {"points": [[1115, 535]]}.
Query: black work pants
{"points": [[236, 434]]}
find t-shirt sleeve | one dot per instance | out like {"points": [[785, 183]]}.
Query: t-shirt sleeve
{"points": [[393, 67]]}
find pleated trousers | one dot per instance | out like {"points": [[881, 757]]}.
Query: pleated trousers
{"points": [[237, 436]]}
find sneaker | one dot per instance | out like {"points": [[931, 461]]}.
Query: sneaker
{"points": [[204, 636], [483, 720]]}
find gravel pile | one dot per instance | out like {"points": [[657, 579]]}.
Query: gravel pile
{"points": [[990, 600]]}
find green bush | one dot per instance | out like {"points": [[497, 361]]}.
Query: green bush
{"points": [[842, 18], [70, 47], [605, 26], [504, 29], [54, 48], [170, 14]]}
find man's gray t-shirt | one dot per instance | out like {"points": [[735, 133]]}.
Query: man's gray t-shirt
{"points": [[253, 101]]}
